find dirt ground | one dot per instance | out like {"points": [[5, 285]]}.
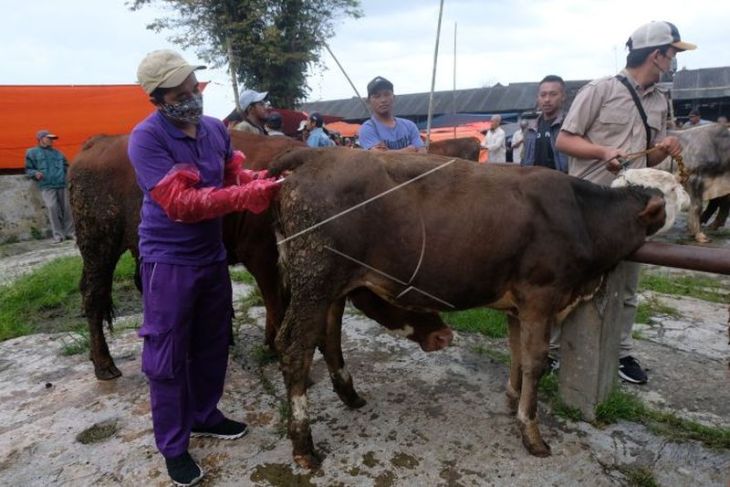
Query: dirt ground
{"points": [[431, 419]]}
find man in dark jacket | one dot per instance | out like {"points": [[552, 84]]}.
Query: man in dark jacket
{"points": [[48, 167], [542, 133]]}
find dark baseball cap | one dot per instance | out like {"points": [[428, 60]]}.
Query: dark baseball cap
{"points": [[45, 133], [379, 83]]}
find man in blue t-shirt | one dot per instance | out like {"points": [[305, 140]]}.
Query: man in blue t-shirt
{"points": [[383, 131]]}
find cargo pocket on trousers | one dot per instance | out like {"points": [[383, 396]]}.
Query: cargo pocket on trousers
{"points": [[158, 354]]}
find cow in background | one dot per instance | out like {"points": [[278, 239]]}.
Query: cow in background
{"points": [[463, 148], [706, 154], [448, 232]]}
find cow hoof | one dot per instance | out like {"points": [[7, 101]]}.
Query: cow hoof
{"points": [[310, 462], [355, 402], [109, 372], [539, 449], [702, 238]]}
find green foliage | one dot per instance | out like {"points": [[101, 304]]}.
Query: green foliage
{"points": [[478, 320], [704, 288], [639, 476], [273, 43], [621, 405], [494, 354], [76, 342], [242, 275], [654, 307], [36, 234], [548, 387], [50, 294]]}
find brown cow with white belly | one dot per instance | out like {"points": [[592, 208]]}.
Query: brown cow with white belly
{"points": [[529, 241], [106, 202]]}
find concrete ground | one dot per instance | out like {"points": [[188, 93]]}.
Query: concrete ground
{"points": [[431, 419]]}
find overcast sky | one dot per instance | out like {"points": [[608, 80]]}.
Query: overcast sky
{"points": [[101, 41]]}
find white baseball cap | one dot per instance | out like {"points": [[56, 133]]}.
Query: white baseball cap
{"points": [[250, 96], [655, 34]]}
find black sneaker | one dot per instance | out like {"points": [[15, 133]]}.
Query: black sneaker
{"points": [[630, 370], [225, 430], [183, 470]]}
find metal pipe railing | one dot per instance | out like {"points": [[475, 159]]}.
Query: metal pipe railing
{"points": [[691, 257]]}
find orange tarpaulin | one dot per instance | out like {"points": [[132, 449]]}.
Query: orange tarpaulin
{"points": [[343, 128], [73, 112]]}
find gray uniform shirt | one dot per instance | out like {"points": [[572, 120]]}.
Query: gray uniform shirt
{"points": [[604, 113]]}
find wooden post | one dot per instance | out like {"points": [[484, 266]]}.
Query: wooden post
{"points": [[589, 347]]}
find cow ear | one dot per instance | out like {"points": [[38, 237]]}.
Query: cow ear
{"points": [[653, 213]]}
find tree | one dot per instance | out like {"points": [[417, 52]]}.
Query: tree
{"points": [[270, 45]]}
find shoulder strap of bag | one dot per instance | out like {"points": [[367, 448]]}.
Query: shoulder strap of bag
{"points": [[639, 107]]}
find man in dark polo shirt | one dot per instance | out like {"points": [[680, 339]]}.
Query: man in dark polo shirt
{"points": [[190, 176]]}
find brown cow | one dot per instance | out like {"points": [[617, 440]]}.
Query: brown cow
{"points": [[106, 202], [442, 243], [463, 148]]}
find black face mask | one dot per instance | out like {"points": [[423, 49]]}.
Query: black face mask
{"points": [[188, 111]]}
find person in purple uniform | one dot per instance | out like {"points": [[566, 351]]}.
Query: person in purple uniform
{"points": [[384, 131], [190, 176]]}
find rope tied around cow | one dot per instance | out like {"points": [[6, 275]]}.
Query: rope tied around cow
{"points": [[682, 174]]}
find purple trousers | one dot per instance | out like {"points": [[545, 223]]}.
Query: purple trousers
{"points": [[187, 332]]}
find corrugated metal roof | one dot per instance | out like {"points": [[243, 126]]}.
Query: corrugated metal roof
{"points": [[515, 97], [692, 84], [688, 84]]}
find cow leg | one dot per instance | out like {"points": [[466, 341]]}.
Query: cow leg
{"points": [[722, 214], [301, 331], [693, 217], [534, 338], [514, 384], [96, 292], [331, 349]]}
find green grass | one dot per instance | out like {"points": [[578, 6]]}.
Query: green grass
{"points": [[242, 275], [654, 307], [75, 342], [478, 320], [494, 354], [48, 299], [548, 387], [621, 405], [638, 476], [704, 288]]}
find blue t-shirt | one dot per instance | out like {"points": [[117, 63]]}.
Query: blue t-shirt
{"points": [[155, 146], [405, 133], [317, 138]]}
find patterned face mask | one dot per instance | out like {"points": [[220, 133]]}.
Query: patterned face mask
{"points": [[189, 110]]}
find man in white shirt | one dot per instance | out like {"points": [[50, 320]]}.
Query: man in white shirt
{"points": [[494, 141], [518, 142]]}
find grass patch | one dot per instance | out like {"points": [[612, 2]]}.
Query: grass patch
{"points": [[496, 355], [76, 342], [48, 299], [36, 234], [704, 288], [639, 476], [654, 307], [486, 321], [284, 418], [621, 405], [242, 275], [548, 387]]}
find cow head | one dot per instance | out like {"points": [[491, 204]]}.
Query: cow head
{"points": [[676, 198]]}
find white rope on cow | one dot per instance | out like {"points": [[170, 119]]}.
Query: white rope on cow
{"points": [[368, 201], [393, 278]]}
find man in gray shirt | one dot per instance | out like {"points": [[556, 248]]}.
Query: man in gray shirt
{"points": [[605, 124]]}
